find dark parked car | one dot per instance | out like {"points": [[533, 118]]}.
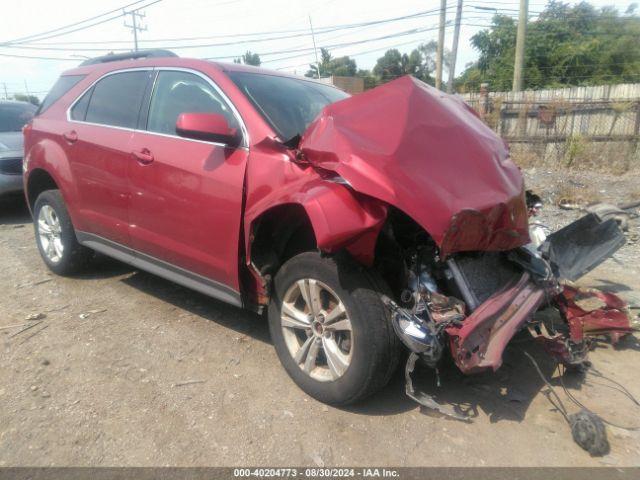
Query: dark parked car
{"points": [[360, 223], [13, 116]]}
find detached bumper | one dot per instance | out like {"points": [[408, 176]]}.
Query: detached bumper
{"points": [[478, 343]]}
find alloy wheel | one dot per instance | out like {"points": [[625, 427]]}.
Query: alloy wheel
{"points": [[317, 330], [50, 234]]}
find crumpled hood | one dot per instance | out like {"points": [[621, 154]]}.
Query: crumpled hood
{"points": [[428, 154], [10, 142]]}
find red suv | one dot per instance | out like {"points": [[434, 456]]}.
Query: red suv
{"points": [[360, 223]]}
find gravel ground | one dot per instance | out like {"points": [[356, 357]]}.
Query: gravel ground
{"points": [[125, 368]]}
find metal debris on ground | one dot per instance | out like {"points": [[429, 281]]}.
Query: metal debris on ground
{"points": [[15, 325], [57, 309], [31, 325], [425, 399], [91, 312], [34, 334], [32, 284], [188, 382]]}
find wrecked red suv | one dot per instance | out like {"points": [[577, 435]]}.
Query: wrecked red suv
{"points": [[362, 224]]}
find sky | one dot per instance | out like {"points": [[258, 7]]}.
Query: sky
{"points": [[279, 30]]}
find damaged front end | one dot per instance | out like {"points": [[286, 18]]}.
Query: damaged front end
{"points": [[466, 272], [473, 303]]}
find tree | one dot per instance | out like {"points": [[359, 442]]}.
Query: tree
{"points": [[389, 66], [249, 59], [27, 98], [393, 64], [340, 66], [428, 51], [343, 67], [566, 45], [322, 67]]}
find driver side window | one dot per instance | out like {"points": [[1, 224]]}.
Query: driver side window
{"points": [[179, 92]]}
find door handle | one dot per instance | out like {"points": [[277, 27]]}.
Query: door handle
{"points": [[144, 156], [71, 137]]}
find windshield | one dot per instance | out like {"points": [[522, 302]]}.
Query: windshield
{"points": [[288, 104], [14, 116]]}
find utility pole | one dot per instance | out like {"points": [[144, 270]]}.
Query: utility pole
{"points": [[135, 15], [6, 95], [520, 40], [440, 51], [315, 50], [454, 47], [26, 88]]}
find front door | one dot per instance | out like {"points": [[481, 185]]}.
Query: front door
{"points": [[186, 195]]}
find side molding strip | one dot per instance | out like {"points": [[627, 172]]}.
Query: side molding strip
{"points": [[160, 268]]}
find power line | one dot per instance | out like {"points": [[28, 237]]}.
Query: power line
{"points": [[10, 45], [372, 50], [363, 52], [35, 57], [338, 45], [293, 34], [29, 37]]}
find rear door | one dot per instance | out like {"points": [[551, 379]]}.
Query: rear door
{"points": [[102, 123], [186, 195]]}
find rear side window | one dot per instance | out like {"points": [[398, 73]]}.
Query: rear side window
{"points": [[79, 109], [117, 98], [62, 86]]}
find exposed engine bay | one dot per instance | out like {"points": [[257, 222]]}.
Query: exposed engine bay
{"points": [[471, 304]]}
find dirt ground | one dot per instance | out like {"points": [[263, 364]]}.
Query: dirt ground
{"points": [[128, 369]]}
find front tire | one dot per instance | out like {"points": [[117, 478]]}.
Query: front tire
{"points": [[331, 329], [56, 237]]}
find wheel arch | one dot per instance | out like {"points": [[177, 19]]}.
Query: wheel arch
{"points": [[48, 167], [278, 234], [38, 181], [328, 217]]}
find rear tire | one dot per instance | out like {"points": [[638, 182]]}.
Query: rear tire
{"points": [[351, 338], [56, 237]]}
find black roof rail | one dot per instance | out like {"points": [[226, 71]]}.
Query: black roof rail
{"points": [[114, 57]]}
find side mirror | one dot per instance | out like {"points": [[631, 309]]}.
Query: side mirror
{"points": [[211, 127]]}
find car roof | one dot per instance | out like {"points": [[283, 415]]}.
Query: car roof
{"points": [[182, 62]]}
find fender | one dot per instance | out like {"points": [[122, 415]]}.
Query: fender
{"points": [[49, 156], [340, 218]]}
